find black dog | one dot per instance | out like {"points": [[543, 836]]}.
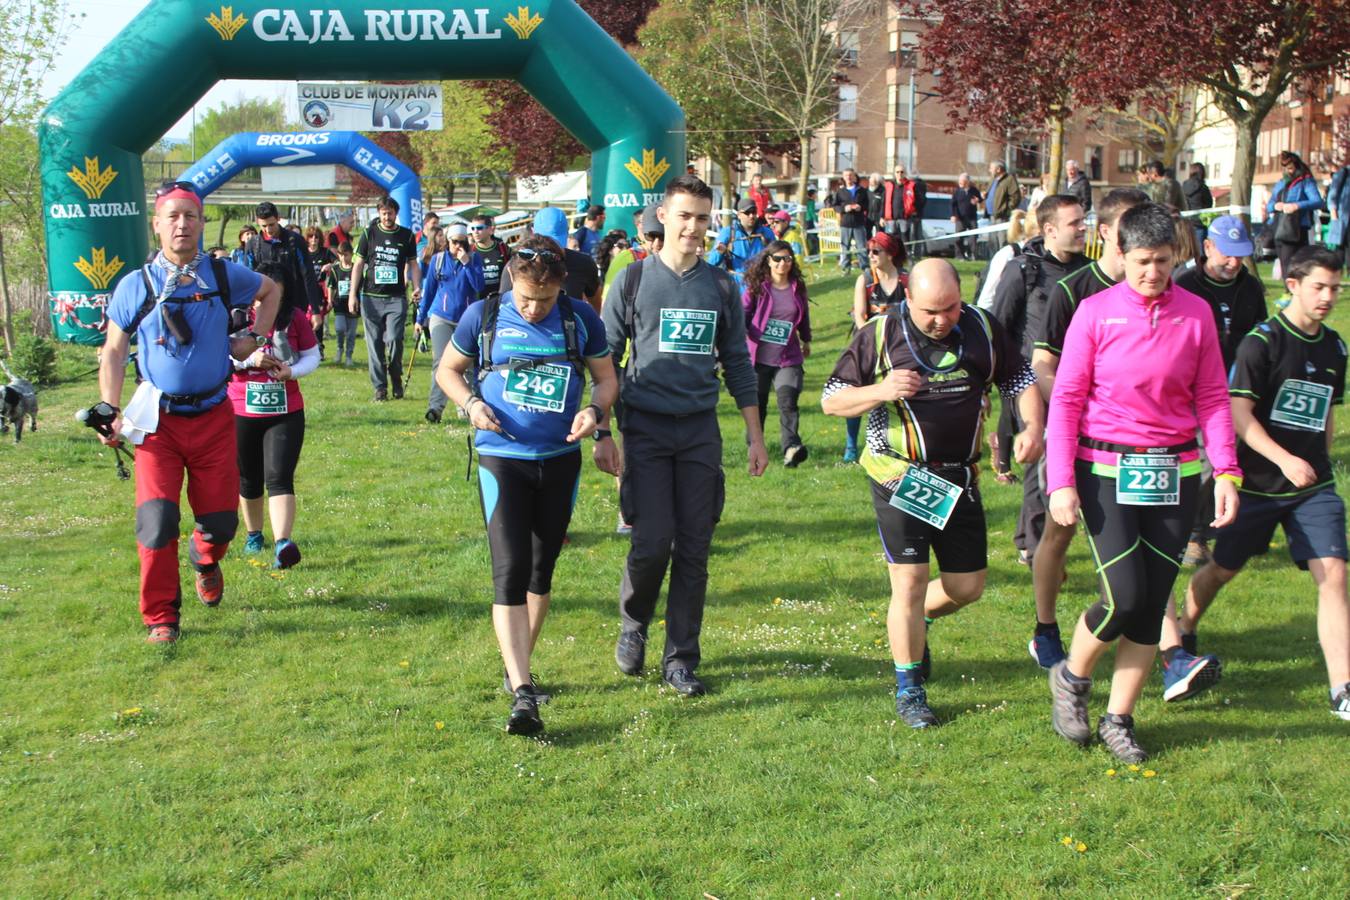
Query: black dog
{"points": [[19, 400]]}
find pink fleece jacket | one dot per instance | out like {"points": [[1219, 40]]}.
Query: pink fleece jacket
{"points": [[1139, 372]]}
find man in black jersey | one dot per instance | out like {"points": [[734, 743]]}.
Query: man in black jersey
{"points": [[919, 373], [494, 253], [1047, 563], [1020, 302], [1238, 300], [386, 262], [1288, 376]]}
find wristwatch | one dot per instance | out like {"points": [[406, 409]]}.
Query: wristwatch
{"points": [[257, 338], [602, 433]]}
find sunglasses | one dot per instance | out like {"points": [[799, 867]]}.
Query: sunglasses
{"points": [[477, 227], [169, 187], [547, 256], [780, 259], [873, 251]]}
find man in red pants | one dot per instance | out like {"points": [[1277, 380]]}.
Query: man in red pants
{"points": [[178, 306]]}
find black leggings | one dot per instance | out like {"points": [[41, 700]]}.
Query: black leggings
{"points": [[527, 504], [1137, 552], [269, 451]]}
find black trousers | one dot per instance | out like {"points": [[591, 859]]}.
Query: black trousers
{"points": [[672, 493]]}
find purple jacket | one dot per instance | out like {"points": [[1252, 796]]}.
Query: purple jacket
{"points": [[757, 310]]}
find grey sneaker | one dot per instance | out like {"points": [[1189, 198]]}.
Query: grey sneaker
{"points": [[911, 706], [1117, 733], [630, 652], [524, 713], [1069, 706]]}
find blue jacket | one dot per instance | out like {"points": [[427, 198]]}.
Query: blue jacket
{"points": [[1304, 192], [742, 247], [1338, 201], [450, 286]]}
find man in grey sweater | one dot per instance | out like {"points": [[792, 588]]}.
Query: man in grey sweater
{"points": [[683, 318]]}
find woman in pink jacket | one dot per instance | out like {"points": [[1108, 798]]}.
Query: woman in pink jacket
{"points": [[1141, 371]]}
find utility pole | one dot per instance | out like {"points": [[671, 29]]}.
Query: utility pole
{"points": [[909, 162]]}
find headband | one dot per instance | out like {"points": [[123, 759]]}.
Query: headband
{"points": [[178, 194]]}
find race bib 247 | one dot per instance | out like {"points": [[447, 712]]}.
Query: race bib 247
{"points": [[688, 331]]}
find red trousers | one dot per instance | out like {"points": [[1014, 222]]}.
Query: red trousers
{"points": [[203, 447]]}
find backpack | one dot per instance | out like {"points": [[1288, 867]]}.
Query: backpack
{"points": [[1030, 266], [222, 291], [632, 279], [492, 305]]}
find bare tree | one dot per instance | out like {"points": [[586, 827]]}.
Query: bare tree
{"points": [[787, 62], [1159, 126]]}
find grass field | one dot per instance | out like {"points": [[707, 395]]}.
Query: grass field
{"points": [[337, 728]]}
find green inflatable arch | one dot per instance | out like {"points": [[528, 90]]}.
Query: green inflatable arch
{"points": [[92, 136]]}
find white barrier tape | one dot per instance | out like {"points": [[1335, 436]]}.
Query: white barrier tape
{"points": [[1226, 210]]}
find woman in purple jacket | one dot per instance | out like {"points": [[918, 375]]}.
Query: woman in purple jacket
{"points": [[778, 333]]}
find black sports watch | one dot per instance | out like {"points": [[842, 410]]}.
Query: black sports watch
{"points": [[602, 433]]}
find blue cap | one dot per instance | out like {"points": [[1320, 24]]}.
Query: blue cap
{"points": [[552, 222], [1229, 234]]}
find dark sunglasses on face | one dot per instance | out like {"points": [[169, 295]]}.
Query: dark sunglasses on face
{"points": [[547, 256], [477, 227], [780, 259], [873, 251]]}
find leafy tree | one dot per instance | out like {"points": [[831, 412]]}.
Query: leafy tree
{"points": [[1249, 52], [223, 121], [465, 144], [528, 133], [680, 46], [1040, 61]]}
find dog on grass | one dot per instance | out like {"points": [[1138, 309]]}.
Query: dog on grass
{"points": [[19, 400]]}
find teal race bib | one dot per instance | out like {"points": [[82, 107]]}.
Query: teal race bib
{"points": [[542, 387], [1302, 404], [688, 331], [1148, 479], [386, 274], [265, 398], [777, 331], [927, 497], [344, 287]]}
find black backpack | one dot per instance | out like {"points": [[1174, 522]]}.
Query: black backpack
{"points": [[1030, 266], [492, 305], [222, 291]]}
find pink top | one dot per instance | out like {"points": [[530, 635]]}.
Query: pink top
{"points": [[302, 337], [1140, 372]]}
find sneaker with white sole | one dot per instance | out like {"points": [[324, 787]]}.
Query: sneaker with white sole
{"points": [[1047, 650], [1187, 675], [1340, 705]]}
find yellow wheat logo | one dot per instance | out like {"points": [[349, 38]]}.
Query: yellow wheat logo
{"points": [[93, 180], [101, 271], [227, 24], [649, 171], [523, 23]]}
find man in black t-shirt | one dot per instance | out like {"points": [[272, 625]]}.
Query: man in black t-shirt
{"points": [[583, 276], [494, 253], [1048, 554], [1237, 297], [919, 374], [1288, 376], [386, 263]]}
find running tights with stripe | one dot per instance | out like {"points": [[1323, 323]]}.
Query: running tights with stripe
{"points": [[1136, 551], [527, 504]]}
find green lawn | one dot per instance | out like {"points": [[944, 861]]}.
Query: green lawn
{"points": [[337, 729]]}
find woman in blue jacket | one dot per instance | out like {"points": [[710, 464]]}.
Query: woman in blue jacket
{"points": [[1295, 195], [453, 279], [1338, 201]]}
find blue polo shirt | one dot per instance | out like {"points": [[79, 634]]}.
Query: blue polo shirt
{"points": [[202, 364], [535, 405]]}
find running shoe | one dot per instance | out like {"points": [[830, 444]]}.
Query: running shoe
{"points": [[795, 456], [630, 652], [380, 396], [1340, 705], [1197, 554], [398, 389], [911, 706], [623, 527], [539, 696], [162, 634], [1187, 675], [288, 554], [211, 585], [524, 713], [253, 543], [1069, 707], [433, 416], [850, 454], [1117, 733], [1047, 650], [685, 682]]}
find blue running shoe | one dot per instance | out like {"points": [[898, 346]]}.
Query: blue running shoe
{"points": [[1047, 650], [850, 454], [288, 554], [911, 705], [1187, 675], [254, 542]]}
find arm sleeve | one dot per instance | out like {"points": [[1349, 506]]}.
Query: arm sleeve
{"points": [[1274, 192], [1251, 367], [804, 326], [857, 365], [612, 316], [1338, 389], [362, 247], [742, 383], [1009, 295], [1058, 314], [244, 284], [307, 363], [595, 344], [473, 274], [126, 299], [301, 332], [1013, 374], [1212, 409], [1312, 196], [430, 288], [1073, 379], [996, 266]]}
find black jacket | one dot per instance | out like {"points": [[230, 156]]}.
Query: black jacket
{"points": [[857, 218], [1196, 193], [291, 252], [1022, 291], [967, 203], [1081, 188]]}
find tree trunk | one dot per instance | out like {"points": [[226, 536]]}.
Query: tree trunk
{"points": [[1244, 162], [478, 187], [4, 299], [506, 190], [728, 166], [224, 221], [804, 179], [1056, 153]]}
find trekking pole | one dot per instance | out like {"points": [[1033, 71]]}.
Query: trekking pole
{"points": [[412, 358]]}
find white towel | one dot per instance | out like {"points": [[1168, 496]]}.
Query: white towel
{"points": [[141, 417]]}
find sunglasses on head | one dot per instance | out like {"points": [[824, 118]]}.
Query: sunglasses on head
{"points": [[169, 187], [780, 258], [547, 256]]}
